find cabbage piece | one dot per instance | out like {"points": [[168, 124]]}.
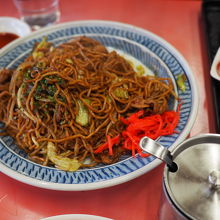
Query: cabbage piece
{"points": [[121, 93], [82, 116], [61, 162]]}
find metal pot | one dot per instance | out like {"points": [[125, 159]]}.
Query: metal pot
{"points": [[191, 179]]}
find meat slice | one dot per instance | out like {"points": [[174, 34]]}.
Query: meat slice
{"points": [[5, 76]]}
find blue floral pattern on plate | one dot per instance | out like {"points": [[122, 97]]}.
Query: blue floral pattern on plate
{"points": [[148, 48]]}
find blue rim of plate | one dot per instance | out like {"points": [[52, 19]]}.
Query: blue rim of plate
{"points": [[13, 161]]}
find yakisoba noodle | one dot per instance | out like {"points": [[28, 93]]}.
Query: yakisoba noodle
{"points": [[61, 103]]}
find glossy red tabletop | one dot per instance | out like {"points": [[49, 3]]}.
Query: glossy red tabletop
{"points": [[179, 23]]}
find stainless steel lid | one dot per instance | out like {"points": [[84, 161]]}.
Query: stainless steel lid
{"points": [[195, 187]]}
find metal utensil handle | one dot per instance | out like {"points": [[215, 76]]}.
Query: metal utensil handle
{"points": [[150, 146]]}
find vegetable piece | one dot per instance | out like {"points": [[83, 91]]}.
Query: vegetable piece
{"points": [[140, 70], [151, 126], [108, 145], [135, 116], [68, 60], [43, 44], [121, 93], [82, 116], [181, 78], [60, 161]]}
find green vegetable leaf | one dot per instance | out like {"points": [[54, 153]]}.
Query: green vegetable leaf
{"points": [[181, 78]]}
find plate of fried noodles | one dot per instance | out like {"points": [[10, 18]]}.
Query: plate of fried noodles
{"points": [[76, 98]]}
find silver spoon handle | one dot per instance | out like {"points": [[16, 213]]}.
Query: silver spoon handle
{"points": [[152, 147]]}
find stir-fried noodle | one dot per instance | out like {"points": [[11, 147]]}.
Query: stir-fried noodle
{"points": [[61, 103]]}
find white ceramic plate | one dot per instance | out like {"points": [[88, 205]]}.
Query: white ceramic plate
{"points": [[14, 25], [154, 52], [76, 217], [215, 68]]}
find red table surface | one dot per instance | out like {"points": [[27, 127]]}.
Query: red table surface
{"points": [[179, 23]]}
